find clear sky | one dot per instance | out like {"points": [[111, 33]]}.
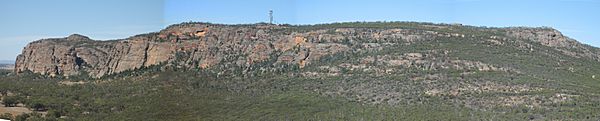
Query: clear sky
{"points": [[23, 21]]}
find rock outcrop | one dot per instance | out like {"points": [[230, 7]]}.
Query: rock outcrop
{"points": [[545, 36], [196, 45], [204, 46], [555, 39]]}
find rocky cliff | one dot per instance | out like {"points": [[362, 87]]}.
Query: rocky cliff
{"points": [[202, 46]]}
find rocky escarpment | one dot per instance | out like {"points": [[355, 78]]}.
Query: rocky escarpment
{"points": [[203, 46], [195, 46], [556, 40]]}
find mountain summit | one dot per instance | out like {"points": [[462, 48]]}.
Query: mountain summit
{"points": [[202, 45], [338, 71]]}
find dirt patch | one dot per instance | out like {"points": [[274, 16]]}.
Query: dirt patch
{"points": [[14, 110], [70, 83]]}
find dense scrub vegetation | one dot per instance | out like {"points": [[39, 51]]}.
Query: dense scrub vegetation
{"points": [[184, 95]]}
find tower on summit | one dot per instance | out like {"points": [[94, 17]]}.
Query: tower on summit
{"points": [[270, 16]]}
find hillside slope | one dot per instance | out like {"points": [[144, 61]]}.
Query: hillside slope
{"points": [[339, 71]]}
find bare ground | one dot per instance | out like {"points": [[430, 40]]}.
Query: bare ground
{"points": [[14, 110]]}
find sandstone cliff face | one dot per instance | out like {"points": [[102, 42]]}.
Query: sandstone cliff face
{"points": [[553, 38], [77, 54], [203, 46], [191, 46]]}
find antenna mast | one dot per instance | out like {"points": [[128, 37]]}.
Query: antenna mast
{"points": [[270, 16]]}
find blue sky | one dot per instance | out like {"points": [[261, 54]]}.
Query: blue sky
{"points": [[23, 21]]}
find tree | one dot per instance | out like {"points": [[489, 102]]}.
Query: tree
{"points": [[6, 116], [54, 113], [10, 101], [35, 116], [22, 117], [37, 106]]}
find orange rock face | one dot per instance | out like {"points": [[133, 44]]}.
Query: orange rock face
{"points": [[196, 45]]}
